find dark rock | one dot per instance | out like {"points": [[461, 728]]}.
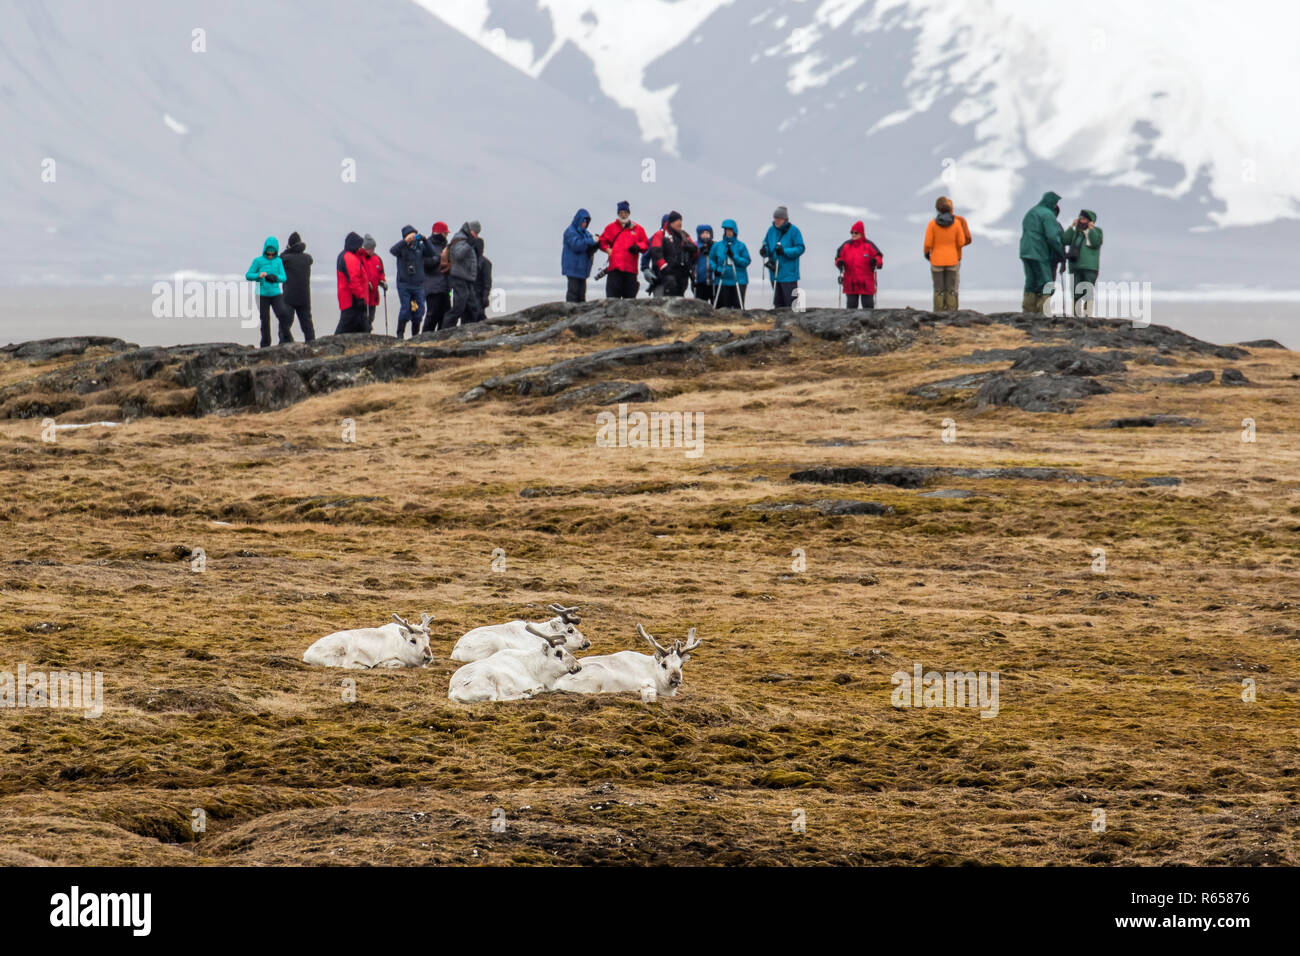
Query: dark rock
{"points": [[1163, 481], [264, 388], [879, 342], [605, 393], [947, 493], [1230, 376], [550, 379], [918, 476], [1149, 421], [824, 506], [1195, 378], [948, 387], [41, 349], [752, 342], [384, 365], [1037, 393], [983, 356], [1067, 360], [1262, 344]]}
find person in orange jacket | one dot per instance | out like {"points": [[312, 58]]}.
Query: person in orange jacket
{"points": [[945, 235]]}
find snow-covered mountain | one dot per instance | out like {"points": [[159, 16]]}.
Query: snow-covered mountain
{"points": [[1165, 117], [138, 146]]}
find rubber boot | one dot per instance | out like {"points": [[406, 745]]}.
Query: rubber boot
{"points": [[1029, 302], [938, 301], [952, 302]]}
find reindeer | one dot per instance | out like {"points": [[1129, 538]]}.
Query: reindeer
{"points": [[514, 673], [628, 671], [400, 644], [522, 635]]}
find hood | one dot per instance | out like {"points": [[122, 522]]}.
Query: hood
{"points": [[296, 247], [271, 243], [578, 216], [464, 230], [730, 224], [352, 243], [407, 230], [699, 230], [1049, 200], [945, 219], [1092, 216]]}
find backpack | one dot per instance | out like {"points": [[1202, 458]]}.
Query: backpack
{"points": [[444, 258]]}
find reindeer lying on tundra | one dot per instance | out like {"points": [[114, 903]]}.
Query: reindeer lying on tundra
{"points": [[630, 671], [401, 644], [522, 635], [514, 673]]}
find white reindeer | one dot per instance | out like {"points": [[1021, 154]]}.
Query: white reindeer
{"points": [[514, 673], [522, 635], [629, 671], [400, 644]]}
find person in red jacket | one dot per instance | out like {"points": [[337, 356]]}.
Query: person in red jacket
{"points": [[858, 258], [674, 253], [351, 277], [624, 240], [373, 266]]}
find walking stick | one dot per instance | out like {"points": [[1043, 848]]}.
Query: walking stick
{"points": [[385, 311]]}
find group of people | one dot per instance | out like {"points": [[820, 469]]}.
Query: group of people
{"points": [[671, 261], [442, 280]]}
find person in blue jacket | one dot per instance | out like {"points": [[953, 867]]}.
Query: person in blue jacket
{"points": [[729, 260], [782, 247], [268, 272], [702, 280], [575, 258]]}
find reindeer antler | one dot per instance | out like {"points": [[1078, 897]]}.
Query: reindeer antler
{"points": [[548, 638], [692, 642], [650, 640], [567, 614]]}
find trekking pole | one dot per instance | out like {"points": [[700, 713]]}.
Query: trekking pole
{"points": [[385, 311], [839, 295]]}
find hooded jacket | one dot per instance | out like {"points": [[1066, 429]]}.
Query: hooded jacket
{"points": [[791, 241], [1089, 245], [373, 267], [435, 282], [271, 265], [945, 235], [297, 270], [463, 255], [410, 258], [579, 248], [737, 271], [624, 245], [1041, 236], [350, 275], [673, 251], [703, 270], [859, 258]]}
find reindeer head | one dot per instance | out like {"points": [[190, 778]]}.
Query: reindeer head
{"points": [[669, 660], [415, 650], [557, 654], [564, 626]]}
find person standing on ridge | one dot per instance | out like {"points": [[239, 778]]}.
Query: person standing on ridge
{"points": [[1042, 247], [624, 240], [410, 252], [781, 249], [268, 272], [703, 282], [1084, 235], [462, 259], [674, 254], [945, 236], [351, 284], [297, 285], [858, 258], [437, 290], [374, 270], [730, 260], [578, 251]]}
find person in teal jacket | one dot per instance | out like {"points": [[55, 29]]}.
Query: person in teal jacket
{"points": [[268, 272], [1042, 248], [729, 258], [782, 247], [1085, 235]]}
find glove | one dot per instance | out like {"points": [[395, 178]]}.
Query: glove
{"points": [[383, 285], [927, 257], [780, 251]]}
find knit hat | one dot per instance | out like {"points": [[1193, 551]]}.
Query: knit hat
{"points": [[624, 206], [860, 229], [943, 204], [781, 212], [440, 228], [368, 242], [475, 226], [673, 216], [407, 230]]}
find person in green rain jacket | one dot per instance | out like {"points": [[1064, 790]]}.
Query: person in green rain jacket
{"points": [[268, 272], [1042, 248], [1085, 235]]}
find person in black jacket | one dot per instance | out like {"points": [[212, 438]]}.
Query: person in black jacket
{"points": [[410, 252], [484, 285], [437, 290], [297, 284]]}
